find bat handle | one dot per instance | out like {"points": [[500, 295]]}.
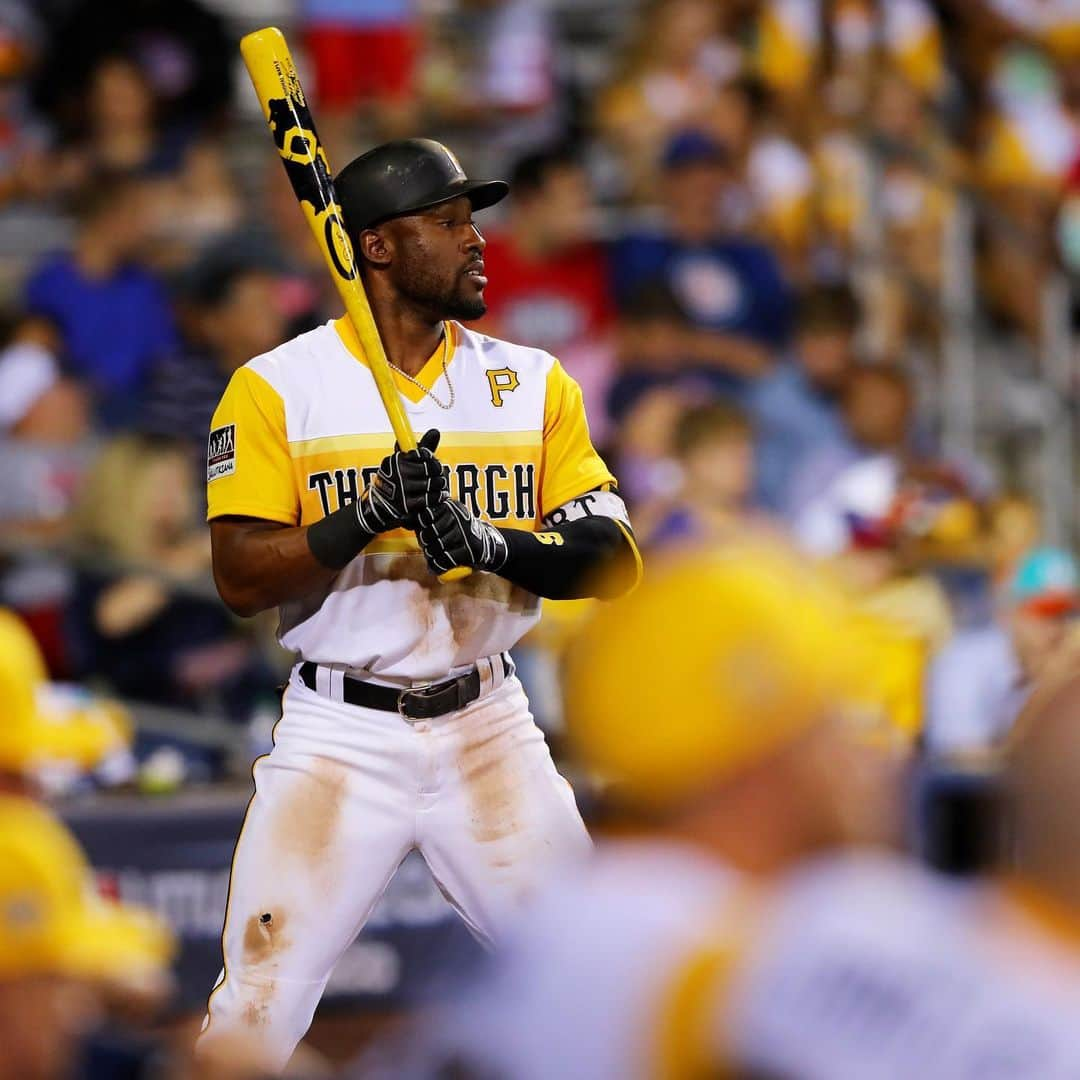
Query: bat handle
{"points": [[456, 574]]}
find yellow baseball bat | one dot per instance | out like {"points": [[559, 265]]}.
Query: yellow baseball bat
{"points": [[273, 74]]}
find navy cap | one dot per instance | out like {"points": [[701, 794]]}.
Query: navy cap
{"points": [[405, 176], [693, 147]]}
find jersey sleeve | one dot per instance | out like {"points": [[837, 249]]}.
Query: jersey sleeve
{"points": [[570, 465], [248, 467]]}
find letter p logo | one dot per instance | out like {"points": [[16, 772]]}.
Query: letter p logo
{"points": [[501, 381]]}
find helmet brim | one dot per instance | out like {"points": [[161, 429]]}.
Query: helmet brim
{"points": [[480, 193]]}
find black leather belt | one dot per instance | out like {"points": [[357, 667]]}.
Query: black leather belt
{"points": [[416, 703]]}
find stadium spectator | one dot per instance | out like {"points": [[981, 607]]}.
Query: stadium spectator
{"points": [[1068, 222], [39, 404], [1030, 138], [111, 312], [496, 68], [308, 295], [796, 406], [548, 281], [652, 353], [230, 313], [25, 165], [365, 58], [189, 192], [144, 617], [119, 130], [669, 80], [714, 447], [980, 680], [855, 478], [186, 51], [730, 288], [806, 46], [44, 430]]}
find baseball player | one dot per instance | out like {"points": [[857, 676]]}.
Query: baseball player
{"points": [[403, 725], [746, 928]]}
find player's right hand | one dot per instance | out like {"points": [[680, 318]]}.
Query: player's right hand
{"points": [[407, 481]]}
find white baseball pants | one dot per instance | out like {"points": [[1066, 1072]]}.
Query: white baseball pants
{"points": [[344, 796]]}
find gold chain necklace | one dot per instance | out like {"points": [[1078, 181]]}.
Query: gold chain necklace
{"points": [[447, 406]]}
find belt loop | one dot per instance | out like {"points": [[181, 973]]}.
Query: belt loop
{"points": [[337, 682], [487, 675], [322, 681]]}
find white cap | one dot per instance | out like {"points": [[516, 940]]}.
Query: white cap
{"points": [[26, 372]]}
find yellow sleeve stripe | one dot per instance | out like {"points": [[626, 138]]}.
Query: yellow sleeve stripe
{"points": [[384, 441], [683, 1049], [691, 1040]]}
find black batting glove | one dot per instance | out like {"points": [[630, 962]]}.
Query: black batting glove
{"points": [[451, 536], [407, 481]]}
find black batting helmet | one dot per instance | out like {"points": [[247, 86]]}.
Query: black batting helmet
{"points": [[404, 176]]}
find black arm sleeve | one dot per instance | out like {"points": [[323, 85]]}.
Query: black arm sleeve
{"points": [[595, 558], [338, 538]]}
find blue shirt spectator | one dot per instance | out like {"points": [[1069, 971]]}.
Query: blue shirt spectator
{"points": [[793, 422], [725, 284], [112, 313], [796, 406], [730, 286], [656, 352]]}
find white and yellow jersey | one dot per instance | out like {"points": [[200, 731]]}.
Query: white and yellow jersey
{"points": [[300, 431]]}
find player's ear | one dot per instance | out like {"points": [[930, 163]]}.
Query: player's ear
{"points": [[376, 247]]}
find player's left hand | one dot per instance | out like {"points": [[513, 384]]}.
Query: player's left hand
{"points": [[406, 482], [451, 536]]}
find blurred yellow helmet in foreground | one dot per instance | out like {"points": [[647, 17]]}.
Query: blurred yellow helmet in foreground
{"points": [[36, 728], [51, 919], [717, 659]]}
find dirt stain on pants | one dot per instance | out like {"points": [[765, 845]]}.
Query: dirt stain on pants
{"points": [[491, 780]]}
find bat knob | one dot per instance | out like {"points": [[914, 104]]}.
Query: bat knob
{"points": [[456, 574]]}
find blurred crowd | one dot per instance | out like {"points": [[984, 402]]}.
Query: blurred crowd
{"points": [[730, 221], [691, 192]]}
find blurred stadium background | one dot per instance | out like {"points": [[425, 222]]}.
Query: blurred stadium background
{"points": [[814, 263]]}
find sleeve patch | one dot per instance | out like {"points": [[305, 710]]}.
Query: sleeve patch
{"points": [[221, 453], [597, 503]]}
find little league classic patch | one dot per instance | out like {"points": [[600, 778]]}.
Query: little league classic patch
{"points": [[221, 453]]}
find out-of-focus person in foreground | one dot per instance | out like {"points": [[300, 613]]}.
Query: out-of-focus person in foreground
{"points": [[48, 736], [62, 948], [1035, 904], [67, 955], [746, 921]]}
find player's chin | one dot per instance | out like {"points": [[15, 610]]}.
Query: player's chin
{"points": [[468, 305]]}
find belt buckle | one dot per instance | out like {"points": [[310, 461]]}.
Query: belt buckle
{"points": [[401, 708], [401, 702]]}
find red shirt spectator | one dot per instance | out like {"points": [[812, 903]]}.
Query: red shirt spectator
{"points": [[552, 300], [549, 284]]}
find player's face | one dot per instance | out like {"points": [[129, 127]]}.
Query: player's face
{"points": [[438, 260]]}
